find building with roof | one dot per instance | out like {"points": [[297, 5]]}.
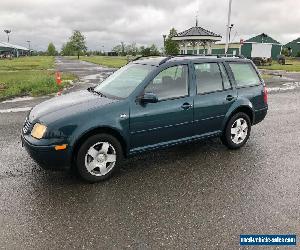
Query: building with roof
{"points": [[293, 47], [12, 49], [196, 40], [257, 46], [261, 46]]}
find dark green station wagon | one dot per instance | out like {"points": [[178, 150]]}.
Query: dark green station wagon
{"points": [[148, 104]]}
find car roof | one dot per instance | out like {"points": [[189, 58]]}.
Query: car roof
{"points": [[156, 61]]}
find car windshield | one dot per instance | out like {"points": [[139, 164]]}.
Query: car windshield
{"points": [[124, 81]]}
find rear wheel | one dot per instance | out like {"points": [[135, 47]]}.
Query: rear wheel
{"points": [[237, 131], [98, 157]]}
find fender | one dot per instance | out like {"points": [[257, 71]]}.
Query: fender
{"points": [[239, 103], [111, 120]]}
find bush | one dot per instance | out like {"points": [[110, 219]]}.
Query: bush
{"points": [[298, 54]]}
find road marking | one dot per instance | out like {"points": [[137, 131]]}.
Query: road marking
{"points": [[14, 110], [19, 99]]}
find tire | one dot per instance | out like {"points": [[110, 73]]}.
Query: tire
{"points": [[237, 131], [99, 157]]}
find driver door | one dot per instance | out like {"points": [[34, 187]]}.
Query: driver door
{"points": [[168, 120]]}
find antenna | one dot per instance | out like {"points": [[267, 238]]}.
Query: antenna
{"points": [[197, 13]]}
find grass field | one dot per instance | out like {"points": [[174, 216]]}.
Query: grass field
{"points": [[32, 76], [292, 65], [28, 63], [108, 61]]}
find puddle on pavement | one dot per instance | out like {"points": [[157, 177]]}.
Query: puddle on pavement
{"points": [[284, 87]]}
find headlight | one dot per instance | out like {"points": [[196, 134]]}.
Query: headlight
{"points": [[38, 131]]}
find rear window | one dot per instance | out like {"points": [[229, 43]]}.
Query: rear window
{"points": [[244, 74]]}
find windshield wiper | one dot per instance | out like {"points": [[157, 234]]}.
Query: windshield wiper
{"points": [[92, 89]]}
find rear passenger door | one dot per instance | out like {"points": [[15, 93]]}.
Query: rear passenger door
{"points": [[214, 96]]}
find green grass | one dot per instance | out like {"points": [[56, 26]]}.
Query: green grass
{"points": [[108, 61], [28, 63], [292, 65], [32, 76]]}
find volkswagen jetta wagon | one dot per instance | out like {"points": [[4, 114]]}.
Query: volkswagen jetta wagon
{"points": [[148, 104]]}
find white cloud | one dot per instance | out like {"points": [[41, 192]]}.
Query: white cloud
{"points": [[144, 22]]}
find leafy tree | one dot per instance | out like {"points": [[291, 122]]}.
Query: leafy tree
{"points": [[149, 51], [154, 50], [67, 49], [51, 51], [123, 49], [131, 49], [117, 49], [285, 52], [171, 46], [77, 41], [145, 51]]}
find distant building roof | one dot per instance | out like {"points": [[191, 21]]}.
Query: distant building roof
{"points": [[12, 46], [293, 42], [262, 38], [197, 31]]}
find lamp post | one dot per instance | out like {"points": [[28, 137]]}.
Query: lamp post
{"points": [[7, 32], [28, 41], [228, 26], [28, 44]]}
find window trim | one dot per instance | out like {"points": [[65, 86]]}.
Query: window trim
{"points": [[177, 97], [214, 91], [245, 86], [228, 78]]}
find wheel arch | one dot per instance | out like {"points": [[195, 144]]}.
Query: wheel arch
{"points": [[244, 109], [98, 130]]}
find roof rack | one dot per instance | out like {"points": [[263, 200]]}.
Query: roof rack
{"points": [[165, 59], [188, 55]]}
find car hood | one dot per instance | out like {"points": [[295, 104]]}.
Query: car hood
{"points": [[69, 103]]}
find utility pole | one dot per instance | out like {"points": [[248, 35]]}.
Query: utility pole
{"points": [[28, 44], [7, 32], [228, 26]]}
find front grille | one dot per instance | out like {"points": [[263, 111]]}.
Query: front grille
{"points": [[27, 126]]}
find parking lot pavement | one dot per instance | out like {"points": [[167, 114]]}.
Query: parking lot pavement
{"points": [[191, 196]]}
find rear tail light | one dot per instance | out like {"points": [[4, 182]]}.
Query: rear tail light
{"points": [[265, 95]]}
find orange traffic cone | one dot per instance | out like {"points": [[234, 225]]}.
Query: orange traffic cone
{"points": [[58, 78]]}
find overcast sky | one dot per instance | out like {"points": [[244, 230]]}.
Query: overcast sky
{"points": [[108, 22]]}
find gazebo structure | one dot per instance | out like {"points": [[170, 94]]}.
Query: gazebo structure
{"points": [[196, 40]]}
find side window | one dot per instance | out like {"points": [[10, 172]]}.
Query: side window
{"points": [[226, 82], [170, 83], [244, 74], [208, 77]]}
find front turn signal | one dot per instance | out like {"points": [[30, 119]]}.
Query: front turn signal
{"points": [[61, 147]]}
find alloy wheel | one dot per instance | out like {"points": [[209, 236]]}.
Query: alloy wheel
{"points": [[100, 158]]}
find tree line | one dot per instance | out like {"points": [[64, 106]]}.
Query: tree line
{"points": [[76, 45]]}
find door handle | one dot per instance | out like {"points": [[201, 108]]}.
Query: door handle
{"points": [[230, 98], [186, 106]]}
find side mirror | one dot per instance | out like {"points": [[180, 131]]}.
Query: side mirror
{"points": [[149, 98]]}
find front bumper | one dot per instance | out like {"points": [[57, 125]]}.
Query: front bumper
{"points": [[46, 156]]}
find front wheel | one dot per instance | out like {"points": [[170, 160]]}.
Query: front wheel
{"points": [[237, 131], [98, 157]]}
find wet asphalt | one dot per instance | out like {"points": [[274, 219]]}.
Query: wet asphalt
{"points": [[194, 196]]}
